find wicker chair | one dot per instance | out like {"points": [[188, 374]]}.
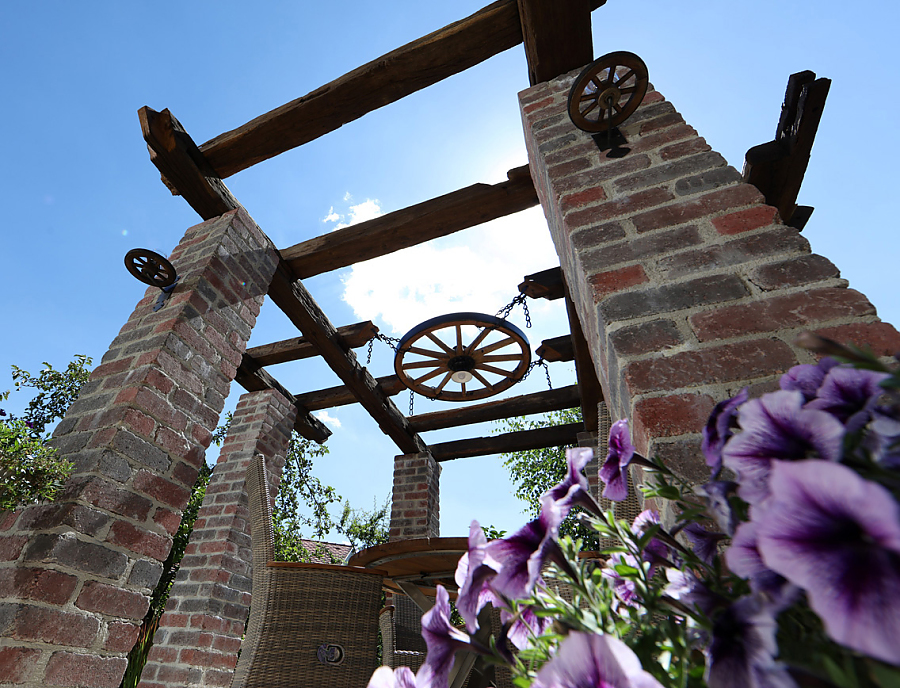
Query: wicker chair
{"points": [[311, 625], [401, 635]]}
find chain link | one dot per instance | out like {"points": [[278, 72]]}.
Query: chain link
{"points": [[411, 400], [534, 364], [508, 308], [369, 352]]}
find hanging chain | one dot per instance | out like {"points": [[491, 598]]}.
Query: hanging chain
{"points": [[534, 364], [508, 308], [369, 351], [392, 342], [412, 398]]}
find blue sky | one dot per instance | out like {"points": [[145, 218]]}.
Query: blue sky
{"points": [[79, 189]]}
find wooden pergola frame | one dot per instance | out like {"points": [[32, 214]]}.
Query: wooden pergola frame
{"points": [[557, 38]]}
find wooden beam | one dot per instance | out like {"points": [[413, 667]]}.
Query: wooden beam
{"points": [[417, 224], [777, 168], [546, 284], [297, 348], [341, 395], [298, 304], [254, 379], [389, 78], [588, 384], [539, 402], [556, 350], [183, 167], [557, 36], [522, 440]]}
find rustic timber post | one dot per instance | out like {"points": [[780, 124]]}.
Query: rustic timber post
{"points": [[687, 285], [76, 575], [200, 632], [415, 500]]}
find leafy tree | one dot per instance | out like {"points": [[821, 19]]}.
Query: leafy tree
{"points": [[30, 469], [537, 470]]}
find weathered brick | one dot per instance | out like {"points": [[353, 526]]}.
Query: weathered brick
{"points": [[66, 550], [618, 208], [582, 198], [672, 297], [121, 636], [746, 220], [16, 663], [741, 361], [161, 489], [53, 587], [656, 335], [679, 414], [139, 540], [707, 181], [799, 309], [112, 600], [605, 283], [84, 671], [600, 234], [642, 248], [734, 196], [660, 174], [54, 626], [679, 150], [794, 272]]}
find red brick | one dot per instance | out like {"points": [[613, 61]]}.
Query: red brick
{"points": [[107, 495], [528, 109], [45, 585], [746, 220], [684, 148], [54, 626], [139, 540], [880, 337], [108, 599], [605, 283], [582, 198], [644, 338], [170, 520], [16, 662], [800, 309], [670, 416], [11, 547], [668, 120], [140, 423], [84, 671], [722, 199], [618, 208], [161, 489], [738, 362], [667, 136], [111, 368], [121, 637], [794, 272]]}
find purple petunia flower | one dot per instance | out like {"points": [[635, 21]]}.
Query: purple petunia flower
{"points": [[704, 543], [717, 493], [742, 651], [719, 428], [778, 427], [883, 440], [849, 395], [385, 677], [614, 471], [574, 489], [685, 587], [443, 640], [837, 536], [807, 378], [655, 551], [525, 626], [624, 588], [591, 661], [744, 559], [474, 572]]}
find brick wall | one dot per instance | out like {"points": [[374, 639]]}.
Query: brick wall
{"points": [[75, 576], [688, 286], [415, 500], [200, 633]]}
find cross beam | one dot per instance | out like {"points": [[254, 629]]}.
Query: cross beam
{"points": [[522, 440], [557, 36]]}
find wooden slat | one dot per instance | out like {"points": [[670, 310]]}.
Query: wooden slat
{"points": [[417, 224], [184, 169], [254, 379], [546, 284], [556, 350], [353, 336], [539, 402], [389, 385], [298, 304], [557, 36], [777, 168], [522, 440], [588, 384]]}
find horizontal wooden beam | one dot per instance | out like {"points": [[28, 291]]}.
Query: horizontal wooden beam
{"points": [[254, 379], [183, 168], [556, 350], [522, 440], [546, 284], [341, 395], [557, 37], [297, 348], [417, 224], [389, 78], [298, 304], [539, 402]]}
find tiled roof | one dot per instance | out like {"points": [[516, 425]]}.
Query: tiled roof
{"points": [[326, 552]]}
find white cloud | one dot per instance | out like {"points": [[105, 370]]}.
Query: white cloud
{"points": [[361, 212], [332, 216], [347, 196], [327, 418]]}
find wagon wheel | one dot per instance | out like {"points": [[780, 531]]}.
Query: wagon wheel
{"points": [[150, 267], [608, 91], [462, 357]]}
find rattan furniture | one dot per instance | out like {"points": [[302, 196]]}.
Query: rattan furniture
{"points": [[311, 625]]}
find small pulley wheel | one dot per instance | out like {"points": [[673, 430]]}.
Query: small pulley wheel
{"points": [[608, 91], [150, 268], [462, 357]]}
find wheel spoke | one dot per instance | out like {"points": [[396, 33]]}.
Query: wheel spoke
{"points": [[441, 344], [444, 382], [428, 376], [478, 376], [493, 347], [587, 110], [426, 352], [627, 89], [502, 357], [459, 345], [478, 339], [611, 77], [422, 364], [626, 76], [496, 371]]}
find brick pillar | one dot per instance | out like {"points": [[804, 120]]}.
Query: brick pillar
{"points": [[415, 501], [200, 632], [687, 285], [75, 576]]}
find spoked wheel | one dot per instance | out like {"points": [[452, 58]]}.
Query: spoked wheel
{"points": [[150, 267], [608, 91], [462, 357]]}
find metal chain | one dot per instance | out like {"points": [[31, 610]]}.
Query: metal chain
{"points": [[369, 352], [507, 309], [411, 400], [390, 341], [535, 364]]}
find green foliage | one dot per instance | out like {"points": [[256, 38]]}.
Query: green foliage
{"points": [[537, 470], [30, 469]]}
